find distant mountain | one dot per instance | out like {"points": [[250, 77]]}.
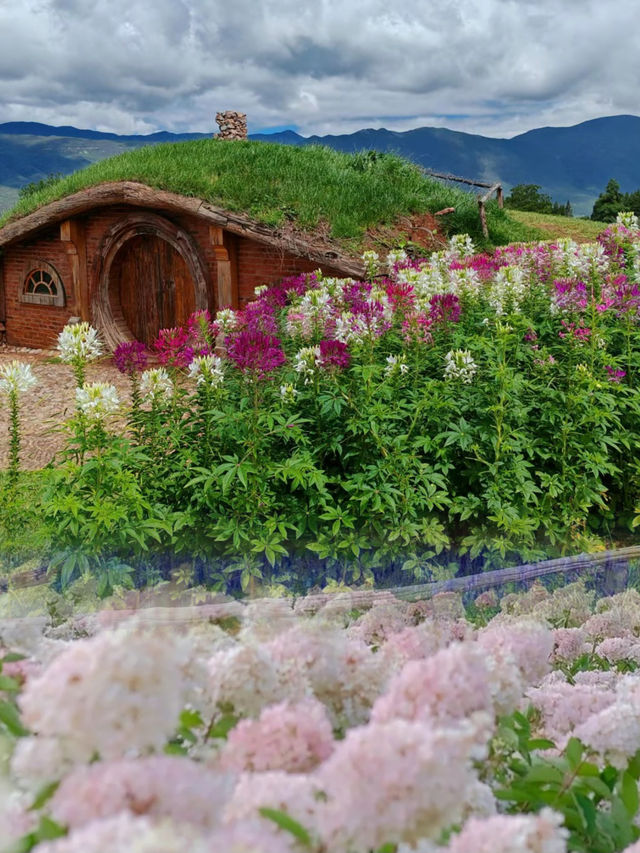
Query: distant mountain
{"points": [[569, 163]]}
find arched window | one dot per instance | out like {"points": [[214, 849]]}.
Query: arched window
{"points": [[43, 285]]}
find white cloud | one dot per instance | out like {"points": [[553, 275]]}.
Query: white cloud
{"points": [[491, 66]]}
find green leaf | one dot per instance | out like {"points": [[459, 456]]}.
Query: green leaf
{"points": [[44, 795], [223, 726], [11, 719], [13, 657], [598, 786], [588, 811], [287, 823], [629, 793], [190, 719], [174, 748], [545, 773], [11, 685], [48, 829], [588, 769], [574, 751], [540, 743]]}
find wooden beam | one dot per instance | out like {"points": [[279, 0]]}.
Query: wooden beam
{"points": [[223, 264], [446, 177], [72, 233]]}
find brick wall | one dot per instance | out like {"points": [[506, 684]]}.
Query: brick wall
{"points": [[35, 325], [261, 264], [38, 325]]}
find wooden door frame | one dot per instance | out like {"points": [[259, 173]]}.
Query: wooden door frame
{"points": [[107, 312]]}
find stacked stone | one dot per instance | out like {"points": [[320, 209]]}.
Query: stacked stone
{"points": [[232, 125]]}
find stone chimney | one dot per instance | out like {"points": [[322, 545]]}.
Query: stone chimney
{"points": [[232, 125]]}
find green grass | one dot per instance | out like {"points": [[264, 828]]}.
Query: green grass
{"points": [[312, 186], [580, 230]]}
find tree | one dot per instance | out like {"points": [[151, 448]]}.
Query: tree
{"points": [[529, 197], [609, 203]]}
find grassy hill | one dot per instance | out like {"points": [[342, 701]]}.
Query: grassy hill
{"points": [[553, 227], [312, 187]]}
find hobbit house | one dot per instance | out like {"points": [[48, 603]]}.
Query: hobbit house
{"points": [[132, 260]]}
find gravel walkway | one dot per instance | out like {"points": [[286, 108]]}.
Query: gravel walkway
{"points": [[44, 408]]}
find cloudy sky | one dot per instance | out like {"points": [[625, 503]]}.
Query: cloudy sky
{"points": [[497, 67]]}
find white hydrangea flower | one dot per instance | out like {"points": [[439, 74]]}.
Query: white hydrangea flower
{"points": [[227, 319], [628, 219], [459, 364], [79, 341], [396, 364], [306, 361], [207, 370], [16, 377], [97, 400], [156, 383]]}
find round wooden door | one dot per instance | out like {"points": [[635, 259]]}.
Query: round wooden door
{"points": [[155, 286]]}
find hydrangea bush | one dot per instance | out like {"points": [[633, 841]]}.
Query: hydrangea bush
{"points": [[326, 726], [464, 406]]}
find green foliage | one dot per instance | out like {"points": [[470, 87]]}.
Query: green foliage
{"points": [[598, 805], [23, 534], [36, 187], [311, 185], [528, 197], [612, 201]]}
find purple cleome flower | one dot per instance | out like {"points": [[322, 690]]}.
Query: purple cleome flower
{"points": [[334, 354], [445, 308], [255, 353], [130, 357], [615, 375]]}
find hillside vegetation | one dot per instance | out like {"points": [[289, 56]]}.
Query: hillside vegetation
{"points": [[552, 227], [313, 187]]}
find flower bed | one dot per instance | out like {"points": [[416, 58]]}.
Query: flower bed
{"points": [[274, 728], [464, 408]]}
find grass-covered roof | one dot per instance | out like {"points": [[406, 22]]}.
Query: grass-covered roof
{"points": [[312, 188]]}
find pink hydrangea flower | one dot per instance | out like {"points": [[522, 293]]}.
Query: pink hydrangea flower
{"points": [[291, 737]]}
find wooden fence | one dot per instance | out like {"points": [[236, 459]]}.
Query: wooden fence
{"points": [[482, 200]]}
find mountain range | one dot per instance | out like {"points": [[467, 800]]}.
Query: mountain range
{"points": [[569, 163]]}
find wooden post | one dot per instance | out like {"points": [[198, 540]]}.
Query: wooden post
{"points": [[483, 218], [72, 233], [500, 197], [615, 577]]}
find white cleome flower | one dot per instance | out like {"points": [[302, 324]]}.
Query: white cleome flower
{"points": [[207, 370], [79, 341], [371, 261], [628, 219], [399, 256], [156, 384], [396, 364], [306, 361], [227, 319], [459, 365], [288, 393], [97, 400], [16, 377]]}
